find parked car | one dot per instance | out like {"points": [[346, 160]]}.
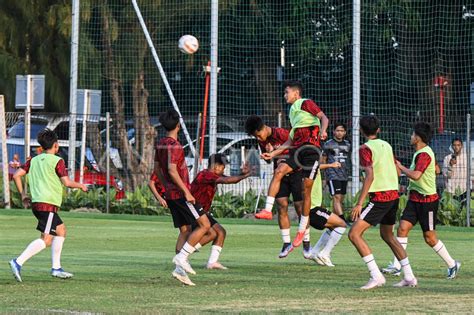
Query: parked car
{"points": [[93, 179]]}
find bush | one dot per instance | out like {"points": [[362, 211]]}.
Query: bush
{"points": [[228, 205]]}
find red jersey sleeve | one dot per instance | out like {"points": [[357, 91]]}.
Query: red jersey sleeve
{"points": [[154, 177], [365, 156], [311, 107], [422, 162], [61, 170], [26, 166]]}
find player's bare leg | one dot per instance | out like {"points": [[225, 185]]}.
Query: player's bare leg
{"points": [[304, 219]]}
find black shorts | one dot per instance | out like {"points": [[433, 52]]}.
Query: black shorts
{"points": [[47, 221], [337, 187], [423, 212], [184, 212], [305, 158], [380, 212], [211, 220], [291, 184], [318, 217]]}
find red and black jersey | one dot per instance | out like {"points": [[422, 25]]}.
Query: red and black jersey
{"points": [[365, 157], [203, 188], [159, 187], [276, 139], [307, 135], [170, 151], [422, 161], [61, 171]]}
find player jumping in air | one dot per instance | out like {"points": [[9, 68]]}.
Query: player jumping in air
{"points": [[47, 174], [423, 200], [270, 139], [309, 125], [381, 184]]}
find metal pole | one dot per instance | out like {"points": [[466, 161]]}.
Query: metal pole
{"points": [[87, 102], [197, 157], [73, 87], [107, 161], [163, 75], [469, 167], [3, 135], [213, 90], [280, 119], [29, 95], [355, 96]]}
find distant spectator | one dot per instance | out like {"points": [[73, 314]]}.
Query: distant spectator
{"points": [[455, 170], [13, 165]]}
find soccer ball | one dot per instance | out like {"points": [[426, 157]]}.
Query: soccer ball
{"points": [[188, 44]]}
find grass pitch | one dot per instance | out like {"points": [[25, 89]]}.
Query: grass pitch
{"points": [[122, 264]]}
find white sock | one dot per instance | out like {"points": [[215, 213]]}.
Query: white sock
{"points": [[407, 272], [404, 242], [197, 246], [441, 250], [215, 252], [32, 249], [269, 203], [303, 223], [285, 235], [186, 250], [307, 236], [56, 248], [334, 238], [321, 242], [372, 265]]}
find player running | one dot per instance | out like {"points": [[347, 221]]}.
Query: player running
{"points": [[270, 139], [423, 200], [381, 184], [46, 175], [309, 125]]}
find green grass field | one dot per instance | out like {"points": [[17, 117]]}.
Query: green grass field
{"points": [[122, 264]]}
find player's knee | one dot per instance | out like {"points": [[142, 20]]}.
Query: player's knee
{"points": [[221, 233], [279, 174], [430, 240], [353, 236], [47, 241]]}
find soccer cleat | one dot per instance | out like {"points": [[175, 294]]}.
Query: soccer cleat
{"points": [[405, 283], [60, 273], [453, 272], [264, 215], [285, 250], [183, 263], [317, 260], [391, 270], [307, 254], [374, 283], [180, 275], [326, 260], [298, 238], [16, 269], [216, 265]]}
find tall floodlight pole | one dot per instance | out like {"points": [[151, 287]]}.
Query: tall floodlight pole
{"points": [[73, 87], [355, 95], [214, 70]]}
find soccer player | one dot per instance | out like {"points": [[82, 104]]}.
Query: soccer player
{"points": [[423, 200], [337, 150], [203, 188], [170, 167], [309, 125], [269, 139], [381, 184], [321, 218], [46, 175]]}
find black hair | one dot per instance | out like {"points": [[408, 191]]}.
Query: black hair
{"points": [[169, 119], [47, 138], [369, 125], [218, 158], [424, 131], [456, 139], [340, 124], [253, 124], [295, 84]]}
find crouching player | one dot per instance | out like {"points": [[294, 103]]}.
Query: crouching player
{"points": [[46, 175], [203, 188]]}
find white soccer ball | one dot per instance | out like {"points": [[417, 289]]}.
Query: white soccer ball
{"points": [[188, 44]]}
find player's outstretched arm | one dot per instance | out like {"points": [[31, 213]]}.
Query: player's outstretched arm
{"points": [[415, 175], [72, 184], [246, 172], [285, 146]]}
